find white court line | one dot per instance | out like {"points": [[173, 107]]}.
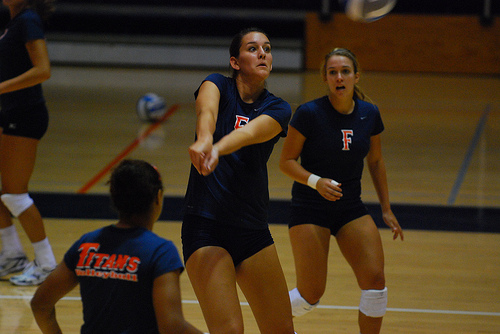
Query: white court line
{"points": [[330, 307], [414, 310]]}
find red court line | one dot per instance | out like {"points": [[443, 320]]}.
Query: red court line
{"points": [[127, 150]]}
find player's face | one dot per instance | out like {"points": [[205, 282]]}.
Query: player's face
{"points": [[255, 59], [340, 76]]}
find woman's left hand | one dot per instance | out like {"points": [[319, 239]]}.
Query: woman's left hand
{"points": [[392, 222], [198, 153], [211, 161]]}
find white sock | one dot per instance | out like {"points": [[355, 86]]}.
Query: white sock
{"points": [[10, 240], [300, 306], [43, 254]]}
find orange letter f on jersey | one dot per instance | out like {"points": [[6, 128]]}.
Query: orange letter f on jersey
{"points": [[346, 138], [241, 121]]}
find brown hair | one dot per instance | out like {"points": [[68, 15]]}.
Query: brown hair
{"points": [[358, 93]]}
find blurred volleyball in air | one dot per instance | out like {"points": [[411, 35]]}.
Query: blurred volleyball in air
{"points": [[150, 107], [367, 10]]}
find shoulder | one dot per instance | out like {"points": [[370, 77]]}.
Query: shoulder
{"points": [[367, 108], [155, 237], [366, 105], [95, 233], [370, 112], [219, 79], [154, 241], [319, 103], [271, 99], [216, 76], [165, 254], [89, 237], [29, 24], [310, 115], [314, 105], [277, 108], [28, 16], [222, 82]]}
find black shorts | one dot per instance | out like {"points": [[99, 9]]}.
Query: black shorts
{"points": [[333, 219], [241, 243], [30, 122]]}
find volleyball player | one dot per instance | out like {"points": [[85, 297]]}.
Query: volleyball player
{"points": [[128, 275], [225, 234], [332, 136], [24, 65]]}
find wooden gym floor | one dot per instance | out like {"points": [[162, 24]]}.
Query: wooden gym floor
{"points": [[441, 146]]}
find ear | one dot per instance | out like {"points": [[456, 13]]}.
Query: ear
{"points": [[234, 63], [356, 77], [159, 196]]}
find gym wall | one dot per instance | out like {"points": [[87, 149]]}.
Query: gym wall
{"points": [[408, 43]]}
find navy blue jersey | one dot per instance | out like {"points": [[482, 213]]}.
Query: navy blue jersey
{"points": [[116, 268], [236, 193], [15, 60], [335, 147]]}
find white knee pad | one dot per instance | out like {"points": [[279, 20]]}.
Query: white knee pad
{"points": [[17, 203], [300, 306], [373, 302]]}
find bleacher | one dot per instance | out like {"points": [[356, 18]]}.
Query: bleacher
{"points": [[193, 33]]}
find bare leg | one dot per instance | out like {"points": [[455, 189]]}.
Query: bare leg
{"points": [[32, 223], [17, 161], [261, 279], [5, 216], [361, 245], [213, 277], [310, 246]]}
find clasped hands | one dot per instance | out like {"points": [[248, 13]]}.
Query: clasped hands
{"points": [[204, 157]]}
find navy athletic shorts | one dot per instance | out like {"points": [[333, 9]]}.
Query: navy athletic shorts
{"points": [[241, 243], [30, 122], [333, 219]]}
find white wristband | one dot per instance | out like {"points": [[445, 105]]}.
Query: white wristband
{"points": [[313, 180]]}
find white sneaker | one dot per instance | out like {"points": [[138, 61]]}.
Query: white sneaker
{"points": [[32, 275], [12, 262]]}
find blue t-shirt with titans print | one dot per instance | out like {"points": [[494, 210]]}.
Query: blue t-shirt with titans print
{"points": [[116, 268], [236, 193], [335, 147]]}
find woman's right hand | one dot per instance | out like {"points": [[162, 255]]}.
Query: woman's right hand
{"points": [[328, 189], [199, 152]]}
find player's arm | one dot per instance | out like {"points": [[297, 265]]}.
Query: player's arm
{"points": [[61, 281], [258, 130], [168, 305], [289, 165], [292, 148], [37, 50], [376, 166], [207, 109]]}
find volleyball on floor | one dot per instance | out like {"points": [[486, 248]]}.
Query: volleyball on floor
{"points": [[367, 10], [150, 107]]}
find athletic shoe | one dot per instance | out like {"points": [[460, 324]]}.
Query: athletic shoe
{"points": [[32, 275], [12, 262]]}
